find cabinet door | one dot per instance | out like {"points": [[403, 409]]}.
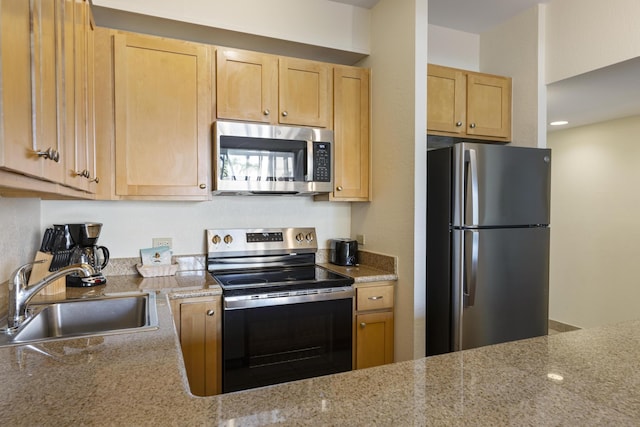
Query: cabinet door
{"points": [[374, 339], [44, 86], [247, 86], [15, 108], [200, 324], [351, 133], [162, 117], [78, 91], [304, 93], [28, 88], [446, 100], [489, 106]]}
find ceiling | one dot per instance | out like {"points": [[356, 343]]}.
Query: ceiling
{"points": [[605, 94]]}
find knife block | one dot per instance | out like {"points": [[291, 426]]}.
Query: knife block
{"points": [[40, 270]]}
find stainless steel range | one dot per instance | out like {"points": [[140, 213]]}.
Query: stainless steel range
{"points": [[284, 318]]}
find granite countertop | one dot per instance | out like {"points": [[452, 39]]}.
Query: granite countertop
{"points": [[586, 377], [362, 273]]}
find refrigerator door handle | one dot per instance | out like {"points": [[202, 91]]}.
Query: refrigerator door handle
{"points": [[473, 166], [471, 269]]}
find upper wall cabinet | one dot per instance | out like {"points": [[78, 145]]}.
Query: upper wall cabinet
{"points": [[78, 95], [351, 134], [156, 144], [28, 76], [468, 104], [265, 88], [34, 57], [247, 85]]}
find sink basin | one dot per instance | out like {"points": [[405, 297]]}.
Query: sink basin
{"points": [[106, 315]]}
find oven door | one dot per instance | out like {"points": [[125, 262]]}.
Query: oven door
{"points": [[278, 343]]}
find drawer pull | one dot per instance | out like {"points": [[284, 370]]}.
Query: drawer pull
{"points": [[362, 325], [210, 312], [375, 298]]}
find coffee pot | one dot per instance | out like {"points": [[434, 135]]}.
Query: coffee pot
{"points": [[85, 250]]}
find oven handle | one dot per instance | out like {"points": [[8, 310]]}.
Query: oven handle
{"points": [[248, 301], [258, 261]]}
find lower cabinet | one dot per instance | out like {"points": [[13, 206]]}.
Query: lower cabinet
{"points": [[198, 323], [374, 324]]}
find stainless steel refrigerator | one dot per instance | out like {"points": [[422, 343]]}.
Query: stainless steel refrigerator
{"points": [[487, 245]]}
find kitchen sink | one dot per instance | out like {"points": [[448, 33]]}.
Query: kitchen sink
{"points": [[105, 315]]}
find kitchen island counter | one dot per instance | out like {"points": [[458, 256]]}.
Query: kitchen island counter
{"points": [[586, 377]]}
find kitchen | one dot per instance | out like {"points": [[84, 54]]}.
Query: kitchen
{"points": [[387, 223]]}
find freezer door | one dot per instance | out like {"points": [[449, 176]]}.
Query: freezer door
{"points": [[495, 185], [500, 285]]}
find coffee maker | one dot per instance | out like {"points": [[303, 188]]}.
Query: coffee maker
{"points": [[85, 250]]}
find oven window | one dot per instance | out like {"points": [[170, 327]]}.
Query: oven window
{"points": [[253, 159], [270, 345]]}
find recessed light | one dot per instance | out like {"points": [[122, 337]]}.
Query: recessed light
{"points": [[555, 377], [559, 123]]}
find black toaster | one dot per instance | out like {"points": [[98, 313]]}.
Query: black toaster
{"points": [[343, 252]]}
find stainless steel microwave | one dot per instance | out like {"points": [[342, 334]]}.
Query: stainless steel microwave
{"points": [[260, 159]]}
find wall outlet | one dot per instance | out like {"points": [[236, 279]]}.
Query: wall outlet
{"points": [[360, 239], [161, 241]]}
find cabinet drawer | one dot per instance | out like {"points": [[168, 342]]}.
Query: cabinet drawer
{"points": [[374, 297]]}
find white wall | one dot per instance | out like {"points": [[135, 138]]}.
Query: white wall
{"points": [[20, 233], [315, 22], [516, 49], [129, 226], [595, 208], [394, 222], [453, 48], [584, 35]]}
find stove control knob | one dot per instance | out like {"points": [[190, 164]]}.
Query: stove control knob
{"points": [[216, 239], [309, 237], [228, 239], [299, 237]]}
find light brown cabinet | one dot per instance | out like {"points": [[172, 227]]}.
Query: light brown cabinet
{"points": [[78, 92], [467, 104], [198, 323], [265, 88], [247, 85], [34, 106], [157, 143], [18, 144], [28, 54], [351, 134], [374, 324]]}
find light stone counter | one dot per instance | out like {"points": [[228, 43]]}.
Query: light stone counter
{"points": [[586, 377]]}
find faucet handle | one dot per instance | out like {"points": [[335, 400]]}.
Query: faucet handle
{"points": [[19, 277]]}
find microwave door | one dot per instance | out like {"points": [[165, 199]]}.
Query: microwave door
{"points": [[226, 169]]}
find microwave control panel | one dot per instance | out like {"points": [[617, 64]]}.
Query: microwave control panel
{"points": [[322, 162]]}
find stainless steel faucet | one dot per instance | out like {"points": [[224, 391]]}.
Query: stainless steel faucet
{"points": [[20, 294]]}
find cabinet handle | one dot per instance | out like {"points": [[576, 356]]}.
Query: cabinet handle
{"points": [[458, 124], [375, 298], [210, 312], [339, 188], [266, 112], [285, 114], [472, 125], [362, 325], [84, 174], [50, 154], [203, 186], [96, 180]]}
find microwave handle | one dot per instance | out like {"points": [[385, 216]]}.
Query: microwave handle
{"points": [[310, 162]]}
